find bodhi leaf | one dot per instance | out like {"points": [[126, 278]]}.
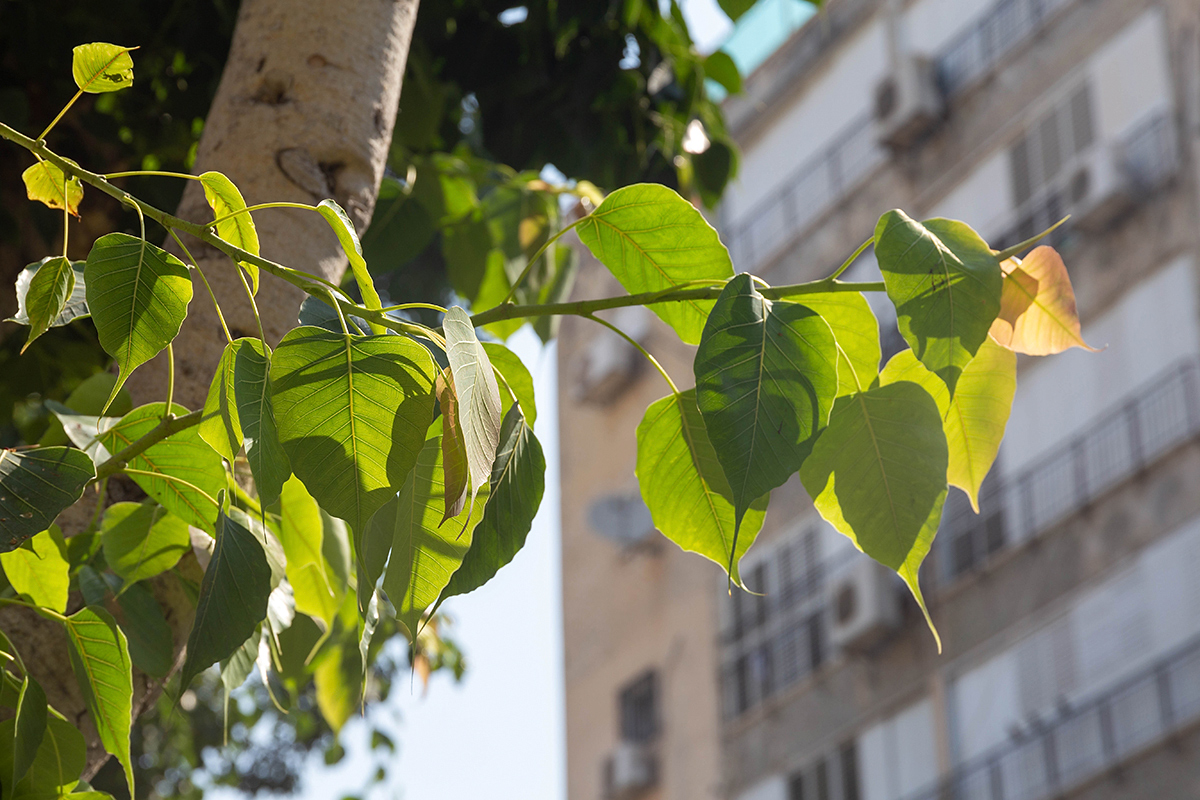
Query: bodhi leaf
{"points": [[49, 291], [39, 570], [766, 377], [100, 658], [478, 396], [101, 67], [652, 239], [142, 540], [56, 765], [347, 236], [516, 487], [878, 475], [974, 419], [221, 427], [1037, 306], [35, 485], [352, 413], [721, 68], [76, 305], [857, 334], [454, 449], [945, 283], [181, 472], [138, 295], [225, 199], [150, 641], [30, 729], [337, 676], [256, 414], [302, 535], [685, 488], [425, 553], [46, 183], [516, 376], [233, 598], [237, 668]]}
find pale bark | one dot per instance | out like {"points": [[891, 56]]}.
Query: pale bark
{"points": [[304, 111]]}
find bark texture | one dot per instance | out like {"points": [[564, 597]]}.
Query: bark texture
{"points": [[304, 111]]}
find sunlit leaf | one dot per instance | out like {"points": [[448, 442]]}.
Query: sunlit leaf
{"points": [[138, 295], [317, 590], [974, 419], [857, 333], [685, 488], [49, 291], [238, 667], [35, 485], [30, 729], [337, 677], [652, 239], [142, 540], [100, 658], [945, 283], [101, 67], [720, 67], [516, 376], [221, 427], [39, 570], [347, 236], [878, 475], [256, 413], [46, 183], [76, 305], [224, 199], [478, 396], [1037, 306], [56, 765], [319, 314]]}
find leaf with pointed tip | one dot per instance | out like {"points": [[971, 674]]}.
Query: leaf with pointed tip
{"points": [[766, 377], [319, 314], [454, 449], [150, 640], [75, 307], [39, 570], [233, 598], [100, 657], [974, 419], [256, 413], [1037, 306], [237, 668], [84, 403], [352, 413], [347, 236], [142, 540], [337, 678], [46, 183], [30, 728], [49, 291], [425, 553], [35, 485], [652, 239], [478, 396], [877, 473], [945, 283], [685, 488], [181, 472], [517, 484], [138, 295], [225, 199], [509, 365], [101, 67], [56, 765], [82, 430], [221, 427], [317, 589], [856, 330]]}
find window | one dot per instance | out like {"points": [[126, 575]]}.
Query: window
{"points": [[848, 758], [639, 709]]}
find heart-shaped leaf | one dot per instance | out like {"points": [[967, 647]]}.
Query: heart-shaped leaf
{"points": [[856, 330], [56, 765], [49, 291], [1037, 306], [39, 570], [478, 396], [138, 295], [150, 640], [315, 584], [225, 199], [142, 540], [76, 305], [347, 236], [46, 183], [101, 67], [35, 485], [221, 427], [256, 413], [30, 728]]}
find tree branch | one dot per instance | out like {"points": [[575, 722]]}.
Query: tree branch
{"points": [[169, 426]]}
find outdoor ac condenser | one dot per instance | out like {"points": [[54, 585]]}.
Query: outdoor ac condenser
{"points": [[632, 769], [865, 606], [908, 102]]}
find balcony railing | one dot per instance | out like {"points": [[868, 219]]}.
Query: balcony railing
{"points": [[1084, 741]]}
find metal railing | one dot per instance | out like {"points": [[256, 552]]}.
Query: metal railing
{"points": [[807, 193], [1056, 756]]}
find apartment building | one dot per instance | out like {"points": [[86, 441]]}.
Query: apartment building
{"points": [[1069, 607]]}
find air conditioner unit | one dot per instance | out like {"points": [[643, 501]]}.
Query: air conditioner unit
{"points": [[607, 365], [908, 103], [1100, 190], [865, 606], [632, 769]]}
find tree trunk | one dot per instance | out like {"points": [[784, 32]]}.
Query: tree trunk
{"points": [[304, 111]]}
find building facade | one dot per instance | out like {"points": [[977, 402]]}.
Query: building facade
{"points": [[1069, 607]]}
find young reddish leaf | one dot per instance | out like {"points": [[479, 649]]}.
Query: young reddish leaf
{"points": [[454, 449], [1037, 306]]}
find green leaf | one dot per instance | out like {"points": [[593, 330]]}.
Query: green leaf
{"points": [[256, 411], [224, 199], [425, 553], [100, 658], [878, 475], [352, 413], [652, 239], [945, 283], [319, 314], [974, 419], [221, 427], [56, 766], [35, 485], [101, 67], [720, 67], [343, 228], [492, 291], [39, 570], [237, 668], [233, 598], [516, 376], [181, 472], [76, 305], [150, 640], [734, 9], [685, 488], [138, 295], [82, 429], [49, 291], [30, 728], [317, 589], [478, 396], [857, 333], [517, 484], [86, 401], [337, 676], [766, 377], [46, 183], [142, 540]]}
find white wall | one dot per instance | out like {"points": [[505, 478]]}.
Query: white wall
{"points": [[898, 756], [985, 703], [1130, 76], [772, 788], [929, 26], [982, 200]]}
